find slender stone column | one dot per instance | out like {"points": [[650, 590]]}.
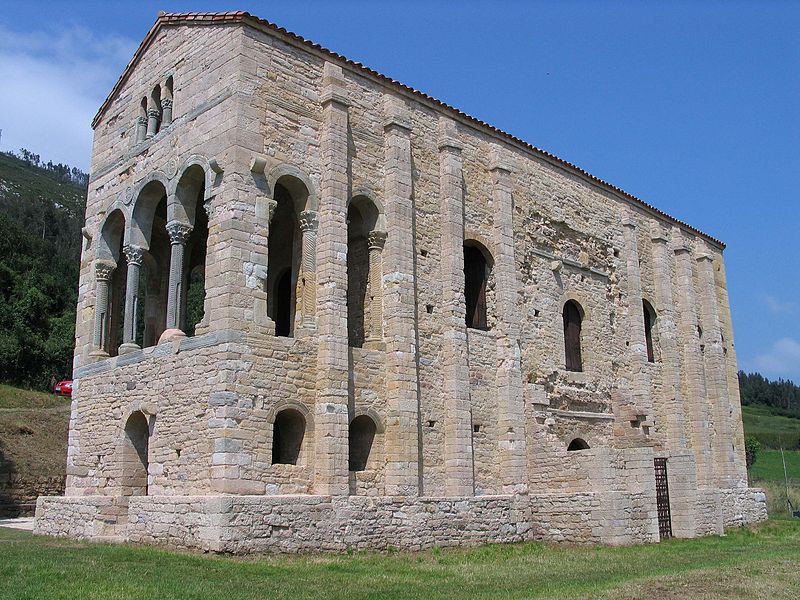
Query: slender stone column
{"points": [[458, 459], [265, 209], [375, 242], [178, 234], [134, 254], [152, 122], [308, 253], [166, 111], [141, 128], [716, 369], [331, 426], [103, 271], [512, 447], [403, 451], [694, 382], [668, 340], [637, 348]]}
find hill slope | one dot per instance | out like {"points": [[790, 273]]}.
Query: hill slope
{"points": [[41, 215]]}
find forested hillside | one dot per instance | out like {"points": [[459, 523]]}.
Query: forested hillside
{"points": [[783, 397], [41, 215]]}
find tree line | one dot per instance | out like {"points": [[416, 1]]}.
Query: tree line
{"points": [[781, 395]]}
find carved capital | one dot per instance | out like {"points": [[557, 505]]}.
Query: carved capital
{"points": [[376, 240], [134, 254], [103, 269], [166, 103], [178, 232], [153, 113], [141, 120], [271, 206], [308, 221]]}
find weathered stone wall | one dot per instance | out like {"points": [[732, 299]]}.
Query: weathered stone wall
{"points": [[460, 413], [18, 493]]}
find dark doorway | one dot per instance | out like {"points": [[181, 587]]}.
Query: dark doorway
{"points": [[362, 434], [662, 499], [572, 336]]}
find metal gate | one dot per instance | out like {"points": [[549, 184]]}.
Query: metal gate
{"points": [[662, 498]]}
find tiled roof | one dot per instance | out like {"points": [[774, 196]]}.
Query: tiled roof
{"points": [[165, 19]]}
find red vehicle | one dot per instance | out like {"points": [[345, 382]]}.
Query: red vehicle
{"points": [[63, 388]]}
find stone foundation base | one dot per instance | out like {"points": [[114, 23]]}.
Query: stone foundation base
{"points": [[291, 524]]}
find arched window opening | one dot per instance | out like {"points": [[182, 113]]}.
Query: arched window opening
{"points": [[360, 438], [649, 322], [283, 260], [196, 248], [110, 316], [167, 103], [135, 443], [573, 317], [476, 276], [577, 444], [362, 217], [155, 111], [287, 437]]}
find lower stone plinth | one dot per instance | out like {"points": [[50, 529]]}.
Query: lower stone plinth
{"points": [[306, 523]]}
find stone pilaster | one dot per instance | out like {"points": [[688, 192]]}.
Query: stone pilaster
{"points": [[308, 262], [178, 234], [153, 115], [716, 369], [103, 270], [403, 464], [739, 474], [166, 111], [331, 418], [692, 368], [375, 242], [512, 447], [674, 408], [458, 455], [134, 255], [637, 348]]}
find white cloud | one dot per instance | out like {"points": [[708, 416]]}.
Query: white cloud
{"points": [[781, 360], [777, 307], [53, 82]]}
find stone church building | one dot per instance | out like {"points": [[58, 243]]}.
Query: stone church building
{"points": [[321, 310]]}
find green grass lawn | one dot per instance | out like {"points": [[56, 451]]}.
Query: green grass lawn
{"points": [[769, 466], [13, 397], [772, 430], [763, 562]]}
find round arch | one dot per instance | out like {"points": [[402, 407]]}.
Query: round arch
{"points": [[149, 194], [297, 183]]}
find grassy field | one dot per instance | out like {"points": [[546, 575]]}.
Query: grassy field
{"points": [[771, 430], [762, 562]]}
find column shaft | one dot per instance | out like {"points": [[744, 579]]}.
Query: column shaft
{"points": [[308, 261], [178, 234], [375, 241], [134, 255], [103, 272]]}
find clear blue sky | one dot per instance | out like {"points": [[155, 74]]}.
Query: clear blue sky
{"points": [[694, 107]]}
